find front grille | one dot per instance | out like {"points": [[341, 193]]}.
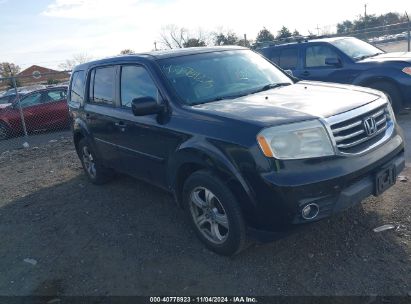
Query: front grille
{"points": [[353, 136]]}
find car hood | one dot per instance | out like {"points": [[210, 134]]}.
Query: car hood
{"points": [[301, 101], [396, 56]]}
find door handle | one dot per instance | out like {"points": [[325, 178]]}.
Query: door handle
{"points": [[305, 73]]}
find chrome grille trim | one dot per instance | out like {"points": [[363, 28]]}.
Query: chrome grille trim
{"points": [[347, 131], [355, 143]]}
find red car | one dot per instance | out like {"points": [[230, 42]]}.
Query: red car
{"points": [[43, 110]]}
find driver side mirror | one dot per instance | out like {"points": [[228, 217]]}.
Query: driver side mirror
{"points": [[145, 106], [333, 61]]}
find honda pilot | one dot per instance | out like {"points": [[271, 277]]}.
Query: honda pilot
{"points": [[244, 148]]}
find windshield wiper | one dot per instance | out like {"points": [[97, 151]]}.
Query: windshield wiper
{"points": [[264, 88], [368, 56], [271, 86]]}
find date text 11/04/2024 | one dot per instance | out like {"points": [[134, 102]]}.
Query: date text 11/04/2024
{"points": [[203, 300]]}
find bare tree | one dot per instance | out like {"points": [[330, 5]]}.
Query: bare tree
{"points": [[77, 59], [173, 37]]}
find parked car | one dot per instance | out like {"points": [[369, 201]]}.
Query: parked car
{"points": [[243, 147], [347, 60], [42, 110]]}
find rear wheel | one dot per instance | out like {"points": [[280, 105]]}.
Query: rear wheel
{"points": [[391, 91], [214, 213], [93, 167]]}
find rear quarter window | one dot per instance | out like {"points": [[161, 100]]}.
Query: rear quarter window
{"points": [[77, 88]]}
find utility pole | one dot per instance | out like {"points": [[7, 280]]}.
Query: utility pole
{"points": [[23, 122], [365, 20], [408, 30], [318, 30], [245, 40], [155, 45]]}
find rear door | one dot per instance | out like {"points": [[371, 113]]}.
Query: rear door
{"points": [[98, 110]]}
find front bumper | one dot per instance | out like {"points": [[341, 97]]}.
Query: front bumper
{"points": [[334, 184], [352, 194]]}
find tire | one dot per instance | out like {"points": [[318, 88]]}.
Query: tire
{"points": [[214, 213], [92, 166], [391, 91], [4, 131]]}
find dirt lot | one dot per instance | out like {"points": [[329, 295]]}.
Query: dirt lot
{"points": [[128, 238]]}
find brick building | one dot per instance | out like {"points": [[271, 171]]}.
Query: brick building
{"points": [[41, 75]]}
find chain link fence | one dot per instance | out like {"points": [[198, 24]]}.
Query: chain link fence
{"points": [[33, 109], [390, 37]]}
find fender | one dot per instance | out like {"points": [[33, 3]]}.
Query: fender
{"points": [[376, 74], [80, 127], [198, 150]]}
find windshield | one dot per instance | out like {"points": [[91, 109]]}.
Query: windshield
{"points": [[207, 77], [356, 49]]}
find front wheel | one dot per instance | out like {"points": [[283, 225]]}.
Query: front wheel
{"points": [[214, 213], [392, 92]]}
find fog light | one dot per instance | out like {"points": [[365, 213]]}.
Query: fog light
{"points": [[310, 211]]}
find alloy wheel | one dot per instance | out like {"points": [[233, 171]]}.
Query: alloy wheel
{"points": [[88, 161], [209, 215]]}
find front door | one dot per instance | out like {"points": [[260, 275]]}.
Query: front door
{"points": [[143, 141], [316, 66]]}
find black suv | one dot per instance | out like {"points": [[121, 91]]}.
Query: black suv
{"points": [[243, 147]]}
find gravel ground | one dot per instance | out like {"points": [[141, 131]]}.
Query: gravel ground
{"points": [[60, 235]]}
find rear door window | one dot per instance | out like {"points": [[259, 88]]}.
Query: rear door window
{"points": [[288, 58], [103, 86]]}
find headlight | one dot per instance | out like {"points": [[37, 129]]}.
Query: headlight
{"points": [[390, 111], [407, 70], [306, 139]]}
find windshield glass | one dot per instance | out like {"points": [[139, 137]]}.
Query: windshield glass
{"points": [[207, 77], [356, 49]]}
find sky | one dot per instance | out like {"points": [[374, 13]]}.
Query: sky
{"points": [[47, 32]]}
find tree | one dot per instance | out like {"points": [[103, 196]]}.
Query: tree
{"points": [[8, 70], [228, 38], [296, 33], [173, 37], [77, 59], [283, 33], [193, 42], [264, 35], [127, 52]]}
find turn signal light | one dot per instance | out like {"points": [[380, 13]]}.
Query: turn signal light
{"points": [[407, 70]]}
